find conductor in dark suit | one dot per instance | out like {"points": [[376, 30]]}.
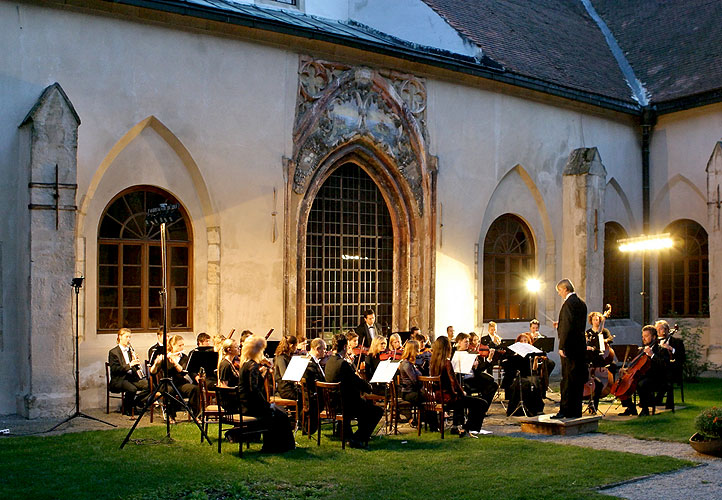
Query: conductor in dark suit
{"points": [[366, 331], [572, 350], [355, 406]]}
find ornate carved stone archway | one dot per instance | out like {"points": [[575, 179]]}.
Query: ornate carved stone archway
{"points": [[375, 119]]}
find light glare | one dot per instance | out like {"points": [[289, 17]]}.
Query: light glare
{"points": [[533, 285], [645, 243]]}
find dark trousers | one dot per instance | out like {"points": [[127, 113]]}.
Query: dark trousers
{"points": [[187, 390], [574, 375], [135, 392], [368, 415], [474, 407], [484, 385], [428, 417]]}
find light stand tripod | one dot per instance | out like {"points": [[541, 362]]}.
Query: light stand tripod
{"points": [[77, 283], [160, 216]]}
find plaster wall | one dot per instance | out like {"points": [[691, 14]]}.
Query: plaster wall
{"points": [[480, 136]]}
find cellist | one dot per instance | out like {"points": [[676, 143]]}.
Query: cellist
{"points": [[653, 379]]}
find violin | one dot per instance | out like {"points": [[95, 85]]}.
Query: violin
{"points": [[392, 354]]}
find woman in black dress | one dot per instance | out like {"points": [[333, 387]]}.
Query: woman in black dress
{"points": [[285, 350]]}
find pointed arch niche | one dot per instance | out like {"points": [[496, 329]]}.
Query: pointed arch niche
{"points": [[374, 120]]}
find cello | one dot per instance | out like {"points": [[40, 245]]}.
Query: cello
{"points": [[624, 387]]}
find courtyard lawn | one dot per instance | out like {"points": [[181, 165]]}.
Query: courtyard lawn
{"points": [[668, 426], [91, 465]]}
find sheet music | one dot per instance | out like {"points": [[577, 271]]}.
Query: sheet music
{"points": [[385, 372], [522, 349], [296, 368], [463, 362]]}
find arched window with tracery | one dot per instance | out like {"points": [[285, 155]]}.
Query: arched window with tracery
{"points": [[508, 263], [616, 271], [684, 271], [129, 265]]}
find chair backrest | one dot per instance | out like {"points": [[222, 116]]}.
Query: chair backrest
{"points": [[431, 391], [107, 374], [305, 397], [329, 398], [228, 400]]}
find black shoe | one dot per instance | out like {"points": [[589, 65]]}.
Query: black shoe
{"points": [[454, 430], [644, 412], [628, 412], [558, 416], [359, 445]]}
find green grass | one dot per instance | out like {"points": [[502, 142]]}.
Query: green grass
{"points": [[91, 465], [668, 426]]}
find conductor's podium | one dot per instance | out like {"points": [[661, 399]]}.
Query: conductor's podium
{"points": [[544, 424]]}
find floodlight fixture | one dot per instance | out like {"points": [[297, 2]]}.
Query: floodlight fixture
{"points": [[644, 243]]}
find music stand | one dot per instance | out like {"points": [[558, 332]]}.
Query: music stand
{"points": [[161, 216]]}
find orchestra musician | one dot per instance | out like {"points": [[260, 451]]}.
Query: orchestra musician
{"points": [[450, 332], [352, 339], [479, 381], [366, 413], [314, 372], [204, 344], [367, 330], [176, 364], [395, 342], [424, 356], [251, 389], [156, 348], [125, 374], [373, 358], [285, 350], [655, 377], [409, 381], [515, 365], [227, 372], [453, 394], [677, 358], [534, 335], [474, 341]]}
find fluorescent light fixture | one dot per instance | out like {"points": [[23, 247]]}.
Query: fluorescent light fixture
{"points": [[353, 257], [646, 242]]}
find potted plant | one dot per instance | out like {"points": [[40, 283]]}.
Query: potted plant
{"points": [[708, 438]]}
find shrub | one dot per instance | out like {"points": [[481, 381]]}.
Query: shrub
{"points": [[709, 423], [694, 365]]}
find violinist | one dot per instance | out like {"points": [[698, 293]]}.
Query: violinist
{"points": [[314, 372], [474, 341], [251, 388], [285, 350], [373, 358], [424, 356], [654, 379], [366, 413], [479, 381], [395, 342], [409, 382], [125, 376], [595, 350], [227, 372], [176, 365], [354, 358], [534, 334], [453, 394], [677, 357]]}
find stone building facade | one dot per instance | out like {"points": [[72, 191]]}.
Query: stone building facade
{"points": [[245, 113]]}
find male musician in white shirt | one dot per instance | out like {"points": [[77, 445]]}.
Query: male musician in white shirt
{"points": [[366, 331], [313, 373], [125, 374]]}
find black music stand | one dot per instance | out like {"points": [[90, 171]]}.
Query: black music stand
{"points": [[161, 216], [77, 284]]}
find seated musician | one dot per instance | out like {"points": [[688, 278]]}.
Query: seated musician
{"points": [[649, 383], [285, 350], [478, 381], [203, 345], [373, 358], [176, 365], [352, 358], [424, 356], [395, 342], [515, 365], [677, 358], [156, 348], [453, 394], [355, 406], [125, 374], [492, 342], [474, 341], [409, 383], [227, 371], [251, 388], [314, 372], [595, 351], [534, 335]]}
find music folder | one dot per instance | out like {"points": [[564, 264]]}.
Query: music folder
{"points": [[296, 368], [546, 344], [385, 372]]}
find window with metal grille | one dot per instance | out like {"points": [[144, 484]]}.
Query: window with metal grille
{"points": [[129, 265], [508, 264], [616, 271], [683, 272], [349, 253]]}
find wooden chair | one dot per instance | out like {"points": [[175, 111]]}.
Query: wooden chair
{"points": [[305, 417], [108, 392], [291, 404], [230, 413], [396, 404], [208, 406], [432, 400], [330, 407]]}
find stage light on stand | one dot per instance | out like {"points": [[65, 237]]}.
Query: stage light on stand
{"points": [[646, 242], [533, 285]]}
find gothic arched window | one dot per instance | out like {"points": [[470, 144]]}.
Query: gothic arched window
{"points": [[129, 265], [616, 271], [683, 271], [508, 263]]}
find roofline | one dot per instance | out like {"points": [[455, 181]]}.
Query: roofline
{"points": [[440, 60], [688, 102]]}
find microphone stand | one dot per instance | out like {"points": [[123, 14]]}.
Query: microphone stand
{"points": [[77, 283]]}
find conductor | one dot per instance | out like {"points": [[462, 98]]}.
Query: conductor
{"points": [[572, 350]]}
